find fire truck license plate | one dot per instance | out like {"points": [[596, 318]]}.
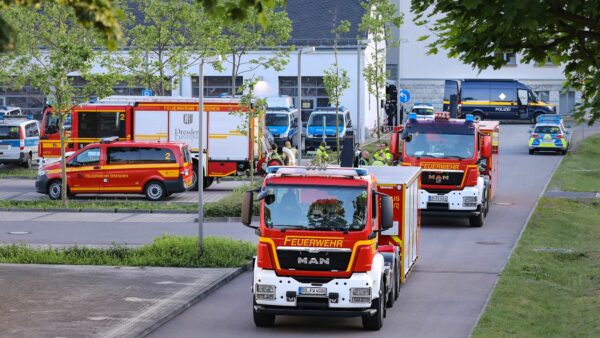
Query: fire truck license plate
{"points": [[438, 199], [312, 291]]}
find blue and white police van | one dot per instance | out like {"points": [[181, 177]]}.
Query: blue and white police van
{"points": [[321, 126], [280, 119], [19, 139]]}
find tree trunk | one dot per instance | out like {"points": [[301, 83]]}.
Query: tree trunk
{"points": [[63, 165], [233, 76], [337, 131]]}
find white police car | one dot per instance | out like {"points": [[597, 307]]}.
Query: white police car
{"points": [[19, 138], [423, 111]]}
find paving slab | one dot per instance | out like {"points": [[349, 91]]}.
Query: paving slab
{"points": [[86, 301]]}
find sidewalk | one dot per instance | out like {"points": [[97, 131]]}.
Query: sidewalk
{"points": [[87, 301]]}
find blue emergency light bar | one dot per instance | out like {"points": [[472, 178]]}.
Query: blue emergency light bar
{"points": [[317, 171], [423, 104], [549, 118], [469, 118]]}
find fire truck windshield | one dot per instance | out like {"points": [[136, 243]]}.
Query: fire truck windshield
{"points": [[437, 145], [315, 208]]}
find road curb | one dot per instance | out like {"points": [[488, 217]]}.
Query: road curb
{"points": [[17, 178], [145, 327]]}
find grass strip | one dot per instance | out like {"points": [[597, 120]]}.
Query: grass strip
{"points": [[580, 171], [7, 171], [551, 285], [229, 206], [165, 251]]}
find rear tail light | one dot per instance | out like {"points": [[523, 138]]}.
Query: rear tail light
{"points": [[22, 139], [534, 135], [559, 136]]}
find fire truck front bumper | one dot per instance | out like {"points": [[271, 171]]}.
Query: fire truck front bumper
{"points": [[466, 202], [337, 297]]}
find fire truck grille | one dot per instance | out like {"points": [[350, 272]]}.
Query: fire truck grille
{"points": [[441, 178], [313, 261]]}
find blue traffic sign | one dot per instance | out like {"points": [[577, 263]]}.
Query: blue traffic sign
{"points": [[147, 92], [404, 96]]}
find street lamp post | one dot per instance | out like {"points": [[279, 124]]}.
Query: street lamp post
{"points": [[305, 50], [359, 64], [200, 174]]}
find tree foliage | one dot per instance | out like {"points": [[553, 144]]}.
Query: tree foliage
{"points": [[241, 37], [239, 10], [563, 32], [336, 79], [50, 48], [101, 15], [167, 38], [379, 19]]}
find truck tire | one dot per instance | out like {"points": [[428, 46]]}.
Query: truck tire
{"points": [[375, 322], [194, 186], [531, 151], [477, 221], [397, 293], [391, 298], [27, 163], [155, 191], [477, 116], [262, 319], [534, 118], [208, 181]]}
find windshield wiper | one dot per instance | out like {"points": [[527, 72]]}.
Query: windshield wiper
{"points": [[283, 228], [455, 156], [427, 155]]}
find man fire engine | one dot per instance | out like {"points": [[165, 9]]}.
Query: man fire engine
{"points": [[333, 242], [459, 159], [227, 151]]}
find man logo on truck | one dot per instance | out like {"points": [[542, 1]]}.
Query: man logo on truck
{"points": [[313, 260], [188, 118]]}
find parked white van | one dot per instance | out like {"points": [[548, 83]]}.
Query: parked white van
{"points": [[19, 139]]}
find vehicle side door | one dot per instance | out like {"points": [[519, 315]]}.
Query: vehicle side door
{"points": [[32, 137], [84, 172], [502, 96], [523, 103], [124, 171]]}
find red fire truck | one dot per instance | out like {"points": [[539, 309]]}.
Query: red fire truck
{"points": [[333, 242], [459, 159], [227, 151]]}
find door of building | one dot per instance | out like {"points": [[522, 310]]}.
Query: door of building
{"points": [[567, 102]]}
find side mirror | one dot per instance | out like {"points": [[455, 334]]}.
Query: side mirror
{"points": [[387, 212], [247, 206], [407, 137]]}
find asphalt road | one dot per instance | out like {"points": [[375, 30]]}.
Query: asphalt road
{"points": [[24, 190], [456, 271], [443, 297]]}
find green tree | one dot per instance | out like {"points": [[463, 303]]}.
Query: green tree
{"points": [[255, 109], [241, 37], [379, 19], [170, 37], [102, 15], [564, 32], [239, 10], [336, 79], [51, 46]]}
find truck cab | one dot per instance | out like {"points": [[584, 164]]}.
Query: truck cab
{"points": [[321, 126], [281, 120], [331, 242], [459, 158]]}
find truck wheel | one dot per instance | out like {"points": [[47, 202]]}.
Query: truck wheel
{"points": [[477, 117], [194, 186], [375, 322], [564, 151], [55, 190], [208, 181], [397, 293], [27, 163], [155, 191], [391, 298], [531, 151], [477, 221], [263, 319], [534, 118]]}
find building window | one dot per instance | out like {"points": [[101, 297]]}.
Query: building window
{"points": [[217, 86], [543, 95], [509, 58], [314, 94], [28, 98]]}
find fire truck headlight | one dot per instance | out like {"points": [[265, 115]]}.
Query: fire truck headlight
{"points": [[360, 295], [264, 292], [469, 201]]}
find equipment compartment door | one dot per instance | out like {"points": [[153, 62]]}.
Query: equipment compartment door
{"points": [[225, 141]]}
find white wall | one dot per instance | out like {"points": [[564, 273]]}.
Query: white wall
{"points": [[416, 64]]}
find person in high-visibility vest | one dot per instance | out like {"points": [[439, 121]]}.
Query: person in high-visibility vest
{"points": [[294, 151], [387, 155], [274, 154], [321, 157], [364, 158], [378, 155]]}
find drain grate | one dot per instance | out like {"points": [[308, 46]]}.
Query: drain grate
{"points": [[488, 243]]}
